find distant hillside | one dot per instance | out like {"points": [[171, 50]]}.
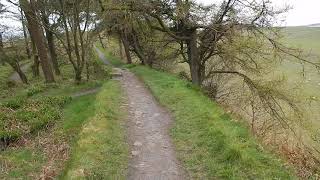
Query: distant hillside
{"points": [[314, 25], [306, 37]]}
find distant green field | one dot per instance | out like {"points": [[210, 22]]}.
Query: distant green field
{"points": [[307, 39]]}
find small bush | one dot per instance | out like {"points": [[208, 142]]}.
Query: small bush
{"points": [[11, 84], [129, 66], [184, 75], [35, 89], [14, 103]]}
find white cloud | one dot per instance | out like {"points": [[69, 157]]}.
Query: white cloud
{"points": [[304, 12]]}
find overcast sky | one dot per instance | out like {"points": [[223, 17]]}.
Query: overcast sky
{"points": [[304, 12]]}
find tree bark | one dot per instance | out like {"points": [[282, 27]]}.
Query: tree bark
{"points": [[120, 47], [51, 45], [36, 32], [25, 35], [77, 33], [21, 74], [101, 42], [36, 62], [68, 38], [196, 69], [126, 47], [1, 41]]}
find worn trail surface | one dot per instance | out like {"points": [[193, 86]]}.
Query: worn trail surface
{"points": [[152, 151], [153, 156]]}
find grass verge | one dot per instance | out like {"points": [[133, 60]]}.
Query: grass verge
{"points": [[101, 151], [208, 141]]}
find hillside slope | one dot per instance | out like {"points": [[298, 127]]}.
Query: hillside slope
{"points": [[209, 142]]}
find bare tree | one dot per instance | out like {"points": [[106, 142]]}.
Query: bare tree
{"points": [[37, 35], [45, 12], [25, 34], [12, 55], [76, 20]]}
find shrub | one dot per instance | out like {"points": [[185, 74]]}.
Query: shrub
{"points": [[14, 103], [35, 89]]}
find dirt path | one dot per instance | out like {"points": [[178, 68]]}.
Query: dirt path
{"points": [[15, 77], [152, 152], [86, 92], [101, 56]]}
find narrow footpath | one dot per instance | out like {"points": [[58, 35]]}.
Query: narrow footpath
{"points": [[152, 152], [15, 76]]}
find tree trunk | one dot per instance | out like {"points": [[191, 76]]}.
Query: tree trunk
{"points": [[51, 45], [78, 76], [126, 47], [101, 42], [120, 48], [22, 76], [36, 62], [77, 33], [68, 38], [1, 41], [196, 69], [137, 49], [36, 32], [151, 58], [88, 71], [1, 46], [16, 67], [25, 35]]}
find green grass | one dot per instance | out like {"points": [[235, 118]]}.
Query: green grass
{"points": [[27, 161], [304, 37], [21, 116], [101, 151], [77, 112], [21, 163], [5, 72], [210, 143]]}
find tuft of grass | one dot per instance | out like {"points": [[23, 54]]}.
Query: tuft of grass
{"points": [[21, 163], [77, 112], [5, 72], [101, 151], [21, 116], [209, 143], [27, 161]]}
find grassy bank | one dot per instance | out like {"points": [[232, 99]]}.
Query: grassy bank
{"points": [[208, 141], [29, 159], [101, 151], [51, 130], [42, 123]]}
